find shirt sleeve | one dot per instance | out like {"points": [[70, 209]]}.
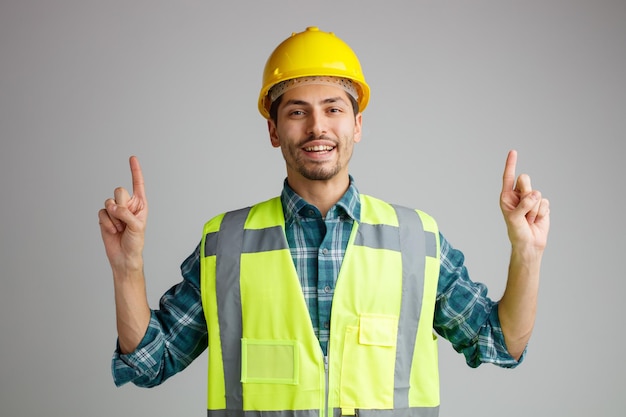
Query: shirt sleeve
{"points": [[176, 334], [466, 316]]}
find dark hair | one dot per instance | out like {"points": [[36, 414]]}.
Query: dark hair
{"points": [[276, 103]]}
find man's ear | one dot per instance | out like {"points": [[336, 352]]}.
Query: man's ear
{"points": [[358, 120], [271, 128]]}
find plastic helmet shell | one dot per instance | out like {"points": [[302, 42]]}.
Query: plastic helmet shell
{"points": [[312, 53]]}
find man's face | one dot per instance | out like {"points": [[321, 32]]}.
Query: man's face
{"points": [[316, 131]]}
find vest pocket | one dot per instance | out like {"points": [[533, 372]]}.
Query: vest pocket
{"points": [[368, 363], [269, 361], [378, 330]]}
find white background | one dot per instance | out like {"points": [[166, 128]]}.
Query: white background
{"points": [[455, 85]]}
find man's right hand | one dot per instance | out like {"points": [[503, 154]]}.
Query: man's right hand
{"points": [[123, 223]]}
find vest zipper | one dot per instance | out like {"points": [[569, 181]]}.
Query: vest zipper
{"points": [[326, 410]]}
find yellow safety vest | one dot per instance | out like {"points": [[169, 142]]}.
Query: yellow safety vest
{"points": [[264, 357]]}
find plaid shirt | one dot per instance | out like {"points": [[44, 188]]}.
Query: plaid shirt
{"points": [[177, 332], [317, 247]]}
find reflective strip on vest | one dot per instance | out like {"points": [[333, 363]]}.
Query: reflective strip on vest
{"points": [[232, 240], [409, 412]]}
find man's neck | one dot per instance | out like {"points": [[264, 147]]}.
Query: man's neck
{"points": [[322, 194]]}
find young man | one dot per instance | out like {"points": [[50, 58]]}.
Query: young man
{"points": [[321, 301]]}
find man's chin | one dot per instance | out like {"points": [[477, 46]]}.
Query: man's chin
{"points": [[319, 174]]}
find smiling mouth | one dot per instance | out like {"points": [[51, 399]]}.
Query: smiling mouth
{"points": [[324, 148]]}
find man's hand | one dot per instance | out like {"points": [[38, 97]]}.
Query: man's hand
{"points": [[123, 223], [526, 213], [527, 217]]}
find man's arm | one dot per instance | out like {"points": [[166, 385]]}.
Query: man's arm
{"points": [[122, 225], [527, 217]]}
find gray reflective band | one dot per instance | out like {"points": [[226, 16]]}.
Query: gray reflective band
{"points": [[412, 243], [406, 412], [431, 244], [378, 236], [403, 412], [383, 236], [280, 413], [210, 244], [264, 240], [228, 292], [254, 240]]}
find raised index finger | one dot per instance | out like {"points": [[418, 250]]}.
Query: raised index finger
{"points": [[138, 183], [508, 178]]}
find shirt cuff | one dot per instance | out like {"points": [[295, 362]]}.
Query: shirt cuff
{"points": [[140, 366], [501, 356]]}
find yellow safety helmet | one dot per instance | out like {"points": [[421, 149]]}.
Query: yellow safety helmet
{"points": [[308, 54]]}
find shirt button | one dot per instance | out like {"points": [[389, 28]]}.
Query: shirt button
{"points": [[327, 289], [325, 251], [327, 325]]}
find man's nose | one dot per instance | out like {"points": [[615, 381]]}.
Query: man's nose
{"points": [[316, 126]]}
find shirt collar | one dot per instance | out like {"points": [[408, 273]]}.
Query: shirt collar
{"points": [[294, 205]]}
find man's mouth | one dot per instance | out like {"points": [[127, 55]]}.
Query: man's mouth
{"points": [[319, 148]]}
